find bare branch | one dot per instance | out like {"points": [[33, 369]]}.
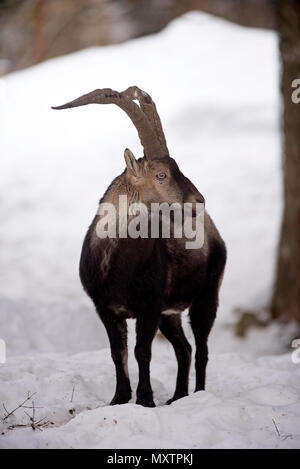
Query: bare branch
{"points": [[8, 414], [278, 432], [73, 390]]}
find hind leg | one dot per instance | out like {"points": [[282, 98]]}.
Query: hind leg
{"points": [[202, 315], [117, 333], [204, 308], [171, 328]]}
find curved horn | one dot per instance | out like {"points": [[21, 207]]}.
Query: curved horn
{"points": [[149, 108], [147, 135]]}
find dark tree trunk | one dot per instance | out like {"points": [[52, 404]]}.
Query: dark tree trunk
{"points": [[286, 297]]}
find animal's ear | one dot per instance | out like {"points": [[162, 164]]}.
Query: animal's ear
{"points": [[131, 163]]}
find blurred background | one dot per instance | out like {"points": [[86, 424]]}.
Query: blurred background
{"points": [[221, 74], [35, 30]]}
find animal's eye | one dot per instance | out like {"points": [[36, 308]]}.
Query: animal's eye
{"points": [[161, 176]]}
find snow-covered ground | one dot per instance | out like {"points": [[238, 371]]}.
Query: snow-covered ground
{"points": [[245, 401], [216, 88]]}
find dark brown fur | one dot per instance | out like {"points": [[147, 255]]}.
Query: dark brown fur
{"points": [[144, 278]]}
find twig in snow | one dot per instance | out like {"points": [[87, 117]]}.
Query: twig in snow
{"points": [[8, 414], [282, 437], [72, 393], [278, 432], [35, 425], [5, 409], [30, 407]]}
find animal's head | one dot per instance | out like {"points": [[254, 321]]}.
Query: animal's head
{"points": [[160, 180], [155, 177]]}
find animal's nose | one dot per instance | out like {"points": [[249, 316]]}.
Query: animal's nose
{"points": [[196, 198]]}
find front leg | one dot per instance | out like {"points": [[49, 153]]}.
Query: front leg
{"points": [[117, 332], [146, 327]]}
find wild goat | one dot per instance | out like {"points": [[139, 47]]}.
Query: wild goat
{"points": [[151, 279]]}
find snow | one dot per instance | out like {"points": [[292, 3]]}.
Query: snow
{"points": [[245, 401], [216, 88]]}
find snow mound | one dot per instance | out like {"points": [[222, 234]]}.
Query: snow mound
{"points": [[249, 403]]}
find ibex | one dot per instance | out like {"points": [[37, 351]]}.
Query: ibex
{"points": [[151, 279]]}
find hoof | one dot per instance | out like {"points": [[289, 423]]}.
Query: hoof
{"points": [[145, 402], [175, 398], [120, 400]]}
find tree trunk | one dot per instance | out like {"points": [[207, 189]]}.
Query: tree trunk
{"points": [[286, 297]]}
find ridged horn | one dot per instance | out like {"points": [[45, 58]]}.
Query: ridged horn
{"points": [[147, 134]]}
